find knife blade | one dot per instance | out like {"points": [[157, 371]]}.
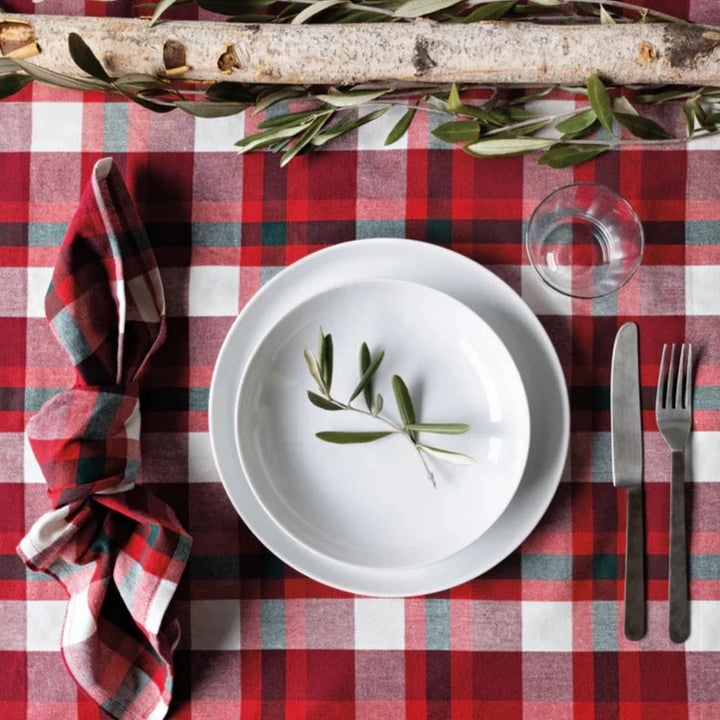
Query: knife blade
{"points": [[627, 466]]}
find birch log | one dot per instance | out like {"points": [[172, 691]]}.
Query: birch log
{"points": [[494, 53]]}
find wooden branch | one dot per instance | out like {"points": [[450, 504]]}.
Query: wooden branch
{"points": [[492, 53]]}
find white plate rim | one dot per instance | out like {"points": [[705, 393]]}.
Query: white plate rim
{"points": [[444, 269], [512, 370]]}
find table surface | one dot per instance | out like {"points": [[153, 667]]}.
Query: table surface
{"points": [[538, 636]]}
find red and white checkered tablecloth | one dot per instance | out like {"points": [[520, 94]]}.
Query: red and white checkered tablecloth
{"points": [[539, 636]]}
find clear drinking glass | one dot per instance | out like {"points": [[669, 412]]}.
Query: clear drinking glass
{"points": [[584, 240]]}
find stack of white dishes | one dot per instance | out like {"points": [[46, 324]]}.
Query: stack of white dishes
{"points": [[366, 517]]}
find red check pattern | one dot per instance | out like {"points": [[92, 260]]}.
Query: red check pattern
{"points": [[538, 636]]}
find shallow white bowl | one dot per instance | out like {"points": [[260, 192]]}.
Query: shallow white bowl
{"points": [[372, 504]]}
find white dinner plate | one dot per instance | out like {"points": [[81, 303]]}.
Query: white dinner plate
{"points": [[499, 306], [382, 504]]}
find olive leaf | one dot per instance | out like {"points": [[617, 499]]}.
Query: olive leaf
{"points": [[418, 8], [289, 119], [352, 98], [365, 361], [377, 405], [453, 102], [85, 59], [272, 97], [226, 91], [577, 123], [341, 437], [313, 9], [325, 354], [404, 402], [439, 428], [210, 109], [400, 127], [160, 9], [642, 127], [520, 130], [10, 83], [621, 104], [689, 118], [490, 11], [605, 17], [367, 374], [346, 125], [269, 137], [507, 146], [141, 99], [563, 156], [600, 102], [314, 368], [454, 458], [50, 77], [323, 402], [305, 138], [457, 131]]}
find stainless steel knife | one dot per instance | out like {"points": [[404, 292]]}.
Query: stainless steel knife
{"points": [[627, 463]]}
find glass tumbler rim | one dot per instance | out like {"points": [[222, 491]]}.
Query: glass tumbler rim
{"points": [[538, 268]]}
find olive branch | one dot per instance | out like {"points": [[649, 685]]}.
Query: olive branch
{"points": [[485, 122], [320, 367]]}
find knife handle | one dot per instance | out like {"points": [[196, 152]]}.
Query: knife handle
{"points": [[677, 564], [635, 566]]}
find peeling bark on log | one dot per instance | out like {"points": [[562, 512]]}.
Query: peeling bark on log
{"points": [[493, 53]]}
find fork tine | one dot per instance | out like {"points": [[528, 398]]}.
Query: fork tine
{"points": [[688, 379], [661, 380], [670, 379], [680, 378]]}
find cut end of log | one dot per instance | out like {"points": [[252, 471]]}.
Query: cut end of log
{"points": [[174, 58], [17, 40], [228, 61], [647, 53]]}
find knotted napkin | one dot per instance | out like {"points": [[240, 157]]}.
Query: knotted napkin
{"points": [[117, 549]]}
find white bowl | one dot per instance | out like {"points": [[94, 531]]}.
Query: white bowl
{"points": [[372, 504]]}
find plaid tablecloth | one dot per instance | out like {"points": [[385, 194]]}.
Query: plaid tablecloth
{"points": [[539, 636]]}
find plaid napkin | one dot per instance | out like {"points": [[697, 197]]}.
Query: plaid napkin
{"points": [[118, 550]]}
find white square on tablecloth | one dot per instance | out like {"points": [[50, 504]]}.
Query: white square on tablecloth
{"points": [[38, 281], [379, 624], [546, 626], [544, 106], [215, 625], [701, 290], [705, 453], [214, 291], [371, 136], [56, 127], [219, 134], [45, 620], [201, 465], [31, 468], [704, 626], [706, 142]]}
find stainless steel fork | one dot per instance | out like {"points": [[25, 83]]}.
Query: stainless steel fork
{"points": [[673, 410]]}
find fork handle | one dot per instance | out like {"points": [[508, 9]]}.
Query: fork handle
{"points": [[634, 566], [677, 570]]}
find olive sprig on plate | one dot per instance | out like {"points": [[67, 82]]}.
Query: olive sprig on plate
{"points": [[320, 366]]}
